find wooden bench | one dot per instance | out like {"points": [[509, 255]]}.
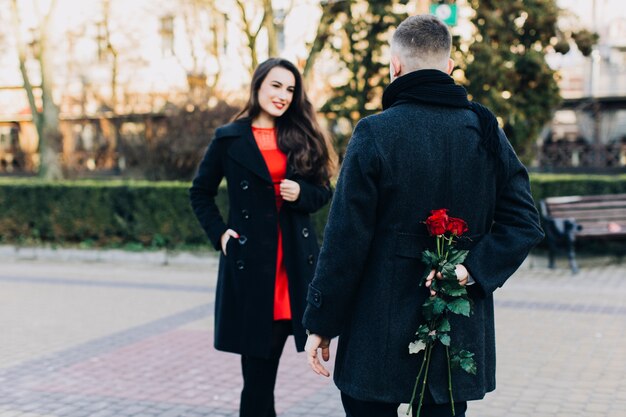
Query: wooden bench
{"points": [[567, 219]]}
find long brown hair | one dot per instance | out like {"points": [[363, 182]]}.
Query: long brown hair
{"points": [[299, 135]]}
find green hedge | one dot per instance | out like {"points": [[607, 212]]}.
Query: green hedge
{"points": [[551, 185], [99, 213], [157, 214]]}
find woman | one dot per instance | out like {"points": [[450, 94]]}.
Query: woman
{"points": [[277, 164]]}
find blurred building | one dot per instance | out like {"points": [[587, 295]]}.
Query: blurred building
{"points": [[589, 131]]}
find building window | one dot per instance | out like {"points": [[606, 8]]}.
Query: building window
{"points": [[167, 35]]}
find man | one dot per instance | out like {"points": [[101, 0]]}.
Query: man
{"points": [[429, 149]]}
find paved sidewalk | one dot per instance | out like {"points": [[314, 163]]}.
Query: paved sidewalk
{"points": [[98, 337]]}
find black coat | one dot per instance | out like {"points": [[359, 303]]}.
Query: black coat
{"points": [[245, 287], [399, 165]]}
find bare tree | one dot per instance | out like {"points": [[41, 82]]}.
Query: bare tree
{"points": [[105, 39], [251, 32], [268, 23], [117, 48], [46, 117], [256, 16], [198, 15]]}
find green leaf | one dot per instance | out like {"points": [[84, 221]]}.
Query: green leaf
{"points": [[439, 306], [452, 288], [431, 259], [460, 306], [416, 347], [448, 270], [465, 354], [422, 331], [444, 338], [460, 291], [457, 256], [444, 325], [469, 365]]}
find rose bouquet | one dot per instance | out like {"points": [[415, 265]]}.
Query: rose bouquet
{"points": [[448, 296]]}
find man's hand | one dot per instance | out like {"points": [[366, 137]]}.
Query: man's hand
{"points": [[313, 343], [461, 275]]}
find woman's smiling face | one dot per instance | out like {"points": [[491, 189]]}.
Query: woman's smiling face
{"points": [[276, 92]]}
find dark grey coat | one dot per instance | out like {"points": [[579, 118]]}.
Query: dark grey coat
{"points": [[244, 300], [399, 165]]}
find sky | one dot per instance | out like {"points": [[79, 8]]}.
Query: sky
{"points": [[605, 10]]}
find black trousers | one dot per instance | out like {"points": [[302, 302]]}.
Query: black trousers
{"points": [[358, 408], [259, 376]]}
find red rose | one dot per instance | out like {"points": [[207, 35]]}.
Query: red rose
{"points": [[437, 222], [456, 226]]}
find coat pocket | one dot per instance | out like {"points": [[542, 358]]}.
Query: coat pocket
{"points": [[229, 247]]}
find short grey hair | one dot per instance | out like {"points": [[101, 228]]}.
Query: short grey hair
{"points": [[422, 41]]}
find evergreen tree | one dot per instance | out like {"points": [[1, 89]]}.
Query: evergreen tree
{"points": [[357, 33], [505, 67]]}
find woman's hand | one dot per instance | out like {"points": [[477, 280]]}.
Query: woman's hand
{"points": [[227, 235], [289, 190]]}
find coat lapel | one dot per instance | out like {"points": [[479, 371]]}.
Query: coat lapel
{"points": [[247, 153]]}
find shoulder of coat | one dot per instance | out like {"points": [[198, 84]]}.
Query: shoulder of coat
{"points": [[374, 126], [236, 128]]}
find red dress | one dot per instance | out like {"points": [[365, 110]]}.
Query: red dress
{"points": [[276, 162]]}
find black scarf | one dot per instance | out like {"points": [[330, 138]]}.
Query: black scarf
{"points": [[436, 87]]}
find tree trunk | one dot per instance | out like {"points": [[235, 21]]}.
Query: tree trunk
{"points": [[268, 22], [113, 52], [51, 138], [251, 35], [47, 120], [329, 13], [215, 49]]}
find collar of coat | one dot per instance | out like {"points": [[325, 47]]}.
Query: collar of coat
{"points": [[245, 150], [425, 86], [430, 86], [239, 127]]}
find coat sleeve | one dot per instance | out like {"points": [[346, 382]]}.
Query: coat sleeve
{"points": [[203, 192], [347, 237], [515, 230], [312, 197]]}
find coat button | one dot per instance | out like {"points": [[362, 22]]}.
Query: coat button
{"points": [[245, 214], [242, 239], [316, 298], [310, 259], [240, 265], [244, 185], [305, 232]]}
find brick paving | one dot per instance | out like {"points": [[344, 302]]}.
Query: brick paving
{"points": [[117, 337]]}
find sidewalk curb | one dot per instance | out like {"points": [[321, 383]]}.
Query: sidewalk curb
{"points": [[536, 260], [160, 257]]}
